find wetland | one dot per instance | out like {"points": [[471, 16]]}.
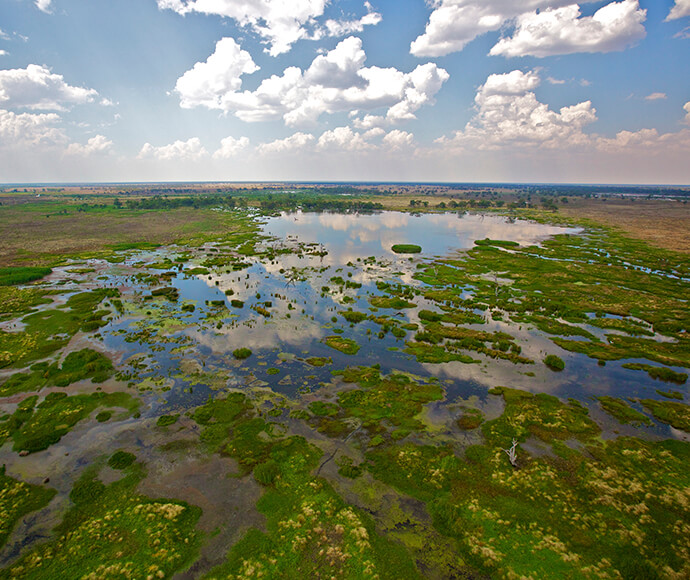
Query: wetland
{"points": [[229, 387]]}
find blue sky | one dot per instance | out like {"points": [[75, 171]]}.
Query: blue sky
{"points": [[386, 90]]}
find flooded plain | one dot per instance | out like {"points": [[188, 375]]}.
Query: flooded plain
{"points": [[281, 318]]}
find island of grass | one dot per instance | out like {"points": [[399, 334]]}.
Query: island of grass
{"points": [[241, 353], [406, 249], [344, 345]]}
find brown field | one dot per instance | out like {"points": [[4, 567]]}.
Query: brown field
{"points": [[30, 237], [665, 224]]}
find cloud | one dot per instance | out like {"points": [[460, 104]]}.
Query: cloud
{"points": [[335, 82], [686, 108], [343, 139], [345, 27], [509, 116], [551, 32], [648, 141], [28, 130], [656, 97], [397, 139], [44, 5], [35, 87], [190, 150], [97, 144], [454, 23], [279, 23], [209, 81], [553, 81], [230, 147], [290, 144], [680, 9]]}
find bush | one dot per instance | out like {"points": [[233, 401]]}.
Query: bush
{"points": [[555, 363], [121, 460], [265, 473], [242, 353]]}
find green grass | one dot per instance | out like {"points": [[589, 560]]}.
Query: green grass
{"points": [[675, 414], [36, 426], [113, 532], [660, 373], [14, 276], [344, 345], [18, 499], [625, 414]]}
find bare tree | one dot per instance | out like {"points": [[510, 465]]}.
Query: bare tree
{"points": [[512, 453]]}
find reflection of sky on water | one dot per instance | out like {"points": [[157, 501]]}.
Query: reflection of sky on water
{"points": [[349, 236]]}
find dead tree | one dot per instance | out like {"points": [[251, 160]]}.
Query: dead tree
{"points": [[512, 453]]}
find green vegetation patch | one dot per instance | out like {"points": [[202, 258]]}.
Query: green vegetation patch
{"points": [[112, 532], [21, 275], [661, 373], [319, 361], [17, 499], [470, 419], [344, 345], [77, 366], [614, 514], [167, 420], [625, 414], [242, 353], [555, 363], [393, 302], [35, 427], [406, 249], [675, 414], [50, 330], [542, 416], [353, 316], [121, 460], [311, 531]]}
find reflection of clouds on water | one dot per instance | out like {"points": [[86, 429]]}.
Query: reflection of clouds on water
{"points": [[296, 332], [347, 236]]}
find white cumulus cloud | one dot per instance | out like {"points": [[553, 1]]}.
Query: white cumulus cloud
{"points": [[230, 147], [97, 144], [509, 116], [190, 150], [454, 23], [342, 139], [209, 81], [30, 130], [656, 97], [295, 142], [36, 87], [397, 139], [557, 31], [280, 23], [680, 9], [686, 108], [335, 82]]}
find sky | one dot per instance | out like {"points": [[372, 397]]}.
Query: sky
{"points": [[540, 91]]}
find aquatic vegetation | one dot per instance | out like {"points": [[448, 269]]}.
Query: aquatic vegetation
{"points": [[17, 499], [111, 531], [393, 302], [242, 353], [555, 363], [167, 420], [50, 330], [121, 460], [35, 426], [316, 361], [79, 365], [675, 414], [470, 419], [625, 414], [344, 345], [541, 415], [406, 249], [311, 531], [660, 373]]}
